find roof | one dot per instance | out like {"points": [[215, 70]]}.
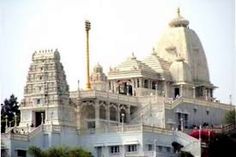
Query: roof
{"points": [[158, 65], [132, 67]]}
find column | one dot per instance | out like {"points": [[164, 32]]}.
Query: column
{"points": [[165, 89], [181, 90], [194, 92], [128, 114], [118, 113], [97, 125], [108, 113]]}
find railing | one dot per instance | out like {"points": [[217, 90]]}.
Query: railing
{"points": [[139, 112], [125, 128], [190, 143], [51, 128], [176, 102], [228, 128], [107, 95], [35, 131]]}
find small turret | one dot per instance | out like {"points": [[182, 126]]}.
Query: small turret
{"points": [[98, 78]]}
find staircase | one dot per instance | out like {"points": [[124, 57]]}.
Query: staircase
{"points": [[189, 143]]}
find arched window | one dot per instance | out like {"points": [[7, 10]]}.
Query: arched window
{"points": [[113, 113], [102, 111], [88, 111]]}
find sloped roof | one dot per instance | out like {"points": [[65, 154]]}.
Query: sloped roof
{"points": [[132, 63], [158, 65]]}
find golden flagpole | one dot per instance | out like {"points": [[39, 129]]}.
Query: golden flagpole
{"points": [[87, 28]]}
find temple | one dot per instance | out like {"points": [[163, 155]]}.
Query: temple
{"points": [[139, 108]]}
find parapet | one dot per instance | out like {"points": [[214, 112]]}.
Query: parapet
{"points": [[46, 54]]}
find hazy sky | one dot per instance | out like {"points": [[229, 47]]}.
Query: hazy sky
{"points": [[119, 27]]}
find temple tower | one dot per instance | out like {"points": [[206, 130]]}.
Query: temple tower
{"points": [[46, 94]]}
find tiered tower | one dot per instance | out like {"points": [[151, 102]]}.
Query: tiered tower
{"points": [[46, 94]]}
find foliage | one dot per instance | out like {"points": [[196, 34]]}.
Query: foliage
{"points": [[9, 108], [230, 117], [222, 145], [58, 152], [185, 154]]}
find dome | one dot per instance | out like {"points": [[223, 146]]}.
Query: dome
{"points": [[180, 71], [184, 42], [98, 68]]}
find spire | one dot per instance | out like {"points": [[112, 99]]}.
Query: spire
{"points": [[87, 29], [178, 12]]}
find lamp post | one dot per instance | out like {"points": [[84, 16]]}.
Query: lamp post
{"points": [[122, 121]]}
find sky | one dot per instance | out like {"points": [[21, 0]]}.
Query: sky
{"points": [[118, 29]]}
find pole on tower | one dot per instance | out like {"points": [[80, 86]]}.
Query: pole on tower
{"points": [[87, 29]]}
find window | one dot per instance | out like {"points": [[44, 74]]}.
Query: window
{"points": [[38, 101], [150, 147], [195, 110], [114, 149], [21, 153], [132, 148], [145, 83], [159, 148], [168, 149], [207, 112]]}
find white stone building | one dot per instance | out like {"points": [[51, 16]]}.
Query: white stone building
{"points": [[138, 109]]}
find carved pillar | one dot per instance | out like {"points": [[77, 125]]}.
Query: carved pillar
{"points": [[128, 114], [108, 113], [118, 113], [181, 90], [97, 125], [194, 92], [165, 89]]}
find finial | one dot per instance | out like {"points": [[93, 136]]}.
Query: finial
{"points": [[133, 56], [178, 12], [87, 25], [154, 51]]}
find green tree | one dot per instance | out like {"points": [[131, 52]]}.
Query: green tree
{"points": [[10, 108], [58, 152], [230, 117]]}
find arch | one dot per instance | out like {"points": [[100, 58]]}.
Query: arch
{"points": [[102, 112], [113, 113], [88, 111]]}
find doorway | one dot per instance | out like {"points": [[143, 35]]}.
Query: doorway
{"points": [[176, 92], [38, 117]]}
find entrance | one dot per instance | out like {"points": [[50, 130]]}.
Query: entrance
{"points": [[38, 117], [176, 92]]}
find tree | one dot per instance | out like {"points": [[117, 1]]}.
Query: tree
{"points": [[223, 145], [58, 152], [230, 117], [9, 109]]}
